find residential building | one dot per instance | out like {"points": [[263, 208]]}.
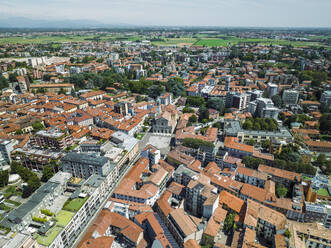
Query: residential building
{"points": [[52, 138], [83, 165], [290, 97]]}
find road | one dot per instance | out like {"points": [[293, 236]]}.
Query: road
{"points": [[111, 190]]}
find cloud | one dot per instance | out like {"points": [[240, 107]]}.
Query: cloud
{"points": [[179, 12]]}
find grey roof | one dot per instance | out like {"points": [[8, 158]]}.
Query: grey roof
{"points": [[182, 169], [16, 215], [85, 158], [232, 128], [94, 181]]}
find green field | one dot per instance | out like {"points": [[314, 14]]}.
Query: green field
{"points": [[322, 192], [235, 40], [210, 40], [63, 217], [50, 236], [75, 204]]}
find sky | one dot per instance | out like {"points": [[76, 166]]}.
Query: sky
{"points": [[255, 13]]}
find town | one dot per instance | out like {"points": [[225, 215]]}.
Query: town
{"points": [[165, 138]]}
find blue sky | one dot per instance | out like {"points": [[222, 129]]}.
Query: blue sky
{"points": [[260, 13]]}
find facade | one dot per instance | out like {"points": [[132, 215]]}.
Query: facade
{"points": [[272, 89], [326, 98], [121, 108], [52, 138], [201, 199], [84, 165], [290, 97], [6, 147]]}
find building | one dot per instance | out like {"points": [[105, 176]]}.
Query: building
{"points": [[201, 198], [290, 97], [52, 138], [184, 227], [83, 165], [233, 128], [20, 218], [314, 212], [56, 88], [312, 235], [250, 176], [272, 89], [166, 121], [326, 98], [121, 108], [280, 176], [6, 147]]}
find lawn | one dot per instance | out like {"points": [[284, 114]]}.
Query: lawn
{"points": [[306, 178], [175, 41], [63, 217], [50, 236], [323, 192], [75, 204], [235, 40]]}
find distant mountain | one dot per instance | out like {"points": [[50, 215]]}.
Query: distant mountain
{"points": [[23, 22]]}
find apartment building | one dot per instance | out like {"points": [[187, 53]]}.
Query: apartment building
{"points": [[184, 227], [201, 198], [280, 176], [250, 176], [52, 138], [265, 221], [83, 165]]}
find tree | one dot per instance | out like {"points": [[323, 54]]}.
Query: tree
{"points": [[187, 109], [195, 101], [175, 86], [37, 126], [203, 113], [4, 176], [287, 233], [251, 162], [277, 100], [216, 103], [229, 222], [251, 142], [46, 77], [48, 172], [193, 119], [155, 90], [4, 83], [13, 77], [281, 190], [266, 144]]}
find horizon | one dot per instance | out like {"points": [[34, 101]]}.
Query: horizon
{"points": [[210, 13]]}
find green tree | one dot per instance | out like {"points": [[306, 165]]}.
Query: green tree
{"points": [[287, 233], [4, 83], [203, 113], [193, 119], [37, 126], [187, 109], [251, 142], [229, 222], [195, 101], [251, 162], [4, 176], [277, 100], [216, 103], [48, 172], [281, 190]]}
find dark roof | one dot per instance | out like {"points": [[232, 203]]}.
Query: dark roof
{"points": [[16, 215], [85, 158]]}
